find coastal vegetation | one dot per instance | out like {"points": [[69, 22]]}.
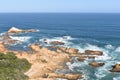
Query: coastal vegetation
{"points": [[13, 68]]}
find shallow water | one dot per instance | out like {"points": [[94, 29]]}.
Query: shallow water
{"points": [[83, 31]]}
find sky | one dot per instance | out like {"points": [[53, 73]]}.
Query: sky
{"points": [[63, 6]]}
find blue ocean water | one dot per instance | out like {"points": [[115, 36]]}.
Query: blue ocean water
{"points": [[95, 31]]}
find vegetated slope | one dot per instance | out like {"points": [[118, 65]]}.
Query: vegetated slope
{"points": [[13, 68]]}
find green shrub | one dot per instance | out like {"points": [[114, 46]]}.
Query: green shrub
{"points": [[12, 68]]}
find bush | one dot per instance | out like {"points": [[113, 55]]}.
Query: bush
{"points": [[12, 68]]}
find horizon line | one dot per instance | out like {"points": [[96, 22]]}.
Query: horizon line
{"points": [[61, 12]]}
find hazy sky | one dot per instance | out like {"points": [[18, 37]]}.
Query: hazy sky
{"points": [[112, 6]]}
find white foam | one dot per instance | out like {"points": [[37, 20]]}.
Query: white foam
{"points": [[71, 66], [116, 78], [37, 30], [21, 38], [88, 47], [104, 57], [1, 34], [64, 39], [117, 49], [104, 70], [14, 29], [93, 47], [109, 46], [101, 72], [68, 37]]}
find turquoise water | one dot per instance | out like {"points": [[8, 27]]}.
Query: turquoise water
{"points": [[83, 31]]}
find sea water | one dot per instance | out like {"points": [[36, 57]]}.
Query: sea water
{"points": [[94, 31]]}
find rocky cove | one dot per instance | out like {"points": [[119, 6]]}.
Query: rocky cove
{"points": [[46, 60]]}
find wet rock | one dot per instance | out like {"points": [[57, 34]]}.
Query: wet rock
{"points": [[90, 52], [72, 50], [96, 64], [16, 30], [81, 59], [116, 68], [65, 76], [85, 56], [57, 43], [35, 47]]}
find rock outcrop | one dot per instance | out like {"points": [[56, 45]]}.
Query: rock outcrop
{"points": [[96, 64], [2, 47], [8, 40], [81, 59], [16, 30], [72, 50], [68, 50], [35, 47], [57, 43], [65, 76], [116, 68], [90, 52]]}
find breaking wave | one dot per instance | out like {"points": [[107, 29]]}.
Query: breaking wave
{"points": [[21, 38]]}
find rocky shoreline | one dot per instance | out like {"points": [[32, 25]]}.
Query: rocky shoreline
{"points": [[45, 61]]}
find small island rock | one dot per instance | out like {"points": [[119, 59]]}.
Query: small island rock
{"points": [[116, 68], [96, 64], [90, 52], [16, 30]]}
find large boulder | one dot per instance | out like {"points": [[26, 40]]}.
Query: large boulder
{"points": [[96, 64], [72, 50], [81, 59], [116, 68], [90, 52], [57, 43], [16, 30], [35, 47], [68, 50], [65, 76]]}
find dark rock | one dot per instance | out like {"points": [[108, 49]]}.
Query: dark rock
{"points": [[116, 68], [57, 43], [81, 59], [96, 64]]}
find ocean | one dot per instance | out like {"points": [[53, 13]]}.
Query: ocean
{"points": [[94, 31]]}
